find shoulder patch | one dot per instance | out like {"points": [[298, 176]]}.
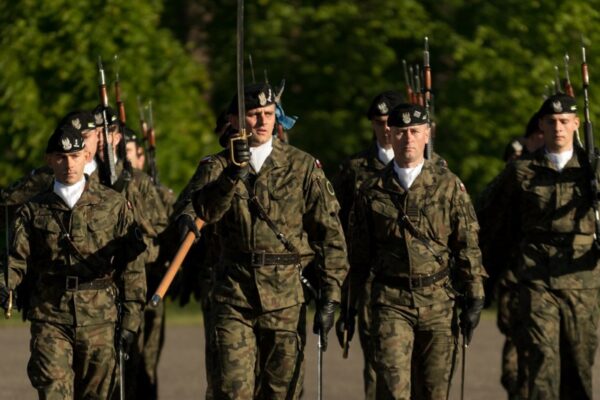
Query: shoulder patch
{"points": [[329, 188], [318, 163]]}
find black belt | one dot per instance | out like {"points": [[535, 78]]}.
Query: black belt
{"points": [[74, 283], [413, 281], [260, 258]]}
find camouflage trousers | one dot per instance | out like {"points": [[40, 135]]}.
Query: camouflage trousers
{"points": [[257, 353], [70, 362], [415, 345], [364, 334], [560, 340], [209, 345], [509, 323]]}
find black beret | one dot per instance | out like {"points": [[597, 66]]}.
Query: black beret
{"points": [[405, 114], [65, 139], [533, 125], [222, 120], [255, 95], [383, 103], [80, 120], [558, 104], [111, 115], [129, 134]]}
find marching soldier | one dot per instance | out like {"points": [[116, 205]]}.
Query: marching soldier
{"points": [[353, 172], [411, 220], [75, 244], [264, 210], [544, 202]]}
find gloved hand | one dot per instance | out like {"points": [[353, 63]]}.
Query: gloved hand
{"points": [[126, 340], [185, 223], [469, 316], [5, 295], [241, 153], [324, 320], [346, 323]]}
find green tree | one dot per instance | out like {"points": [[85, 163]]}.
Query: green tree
{"points": [[48, 55]]}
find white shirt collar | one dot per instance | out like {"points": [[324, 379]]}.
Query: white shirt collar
{"points": [[90, 167], [560, 159], [408, 175], [385, 155], [71, 193], [259, 154]]}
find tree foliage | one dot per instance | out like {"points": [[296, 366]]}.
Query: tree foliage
{"points": [[48, 56]]}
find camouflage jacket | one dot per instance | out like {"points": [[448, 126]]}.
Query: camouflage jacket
{"points": [[37, 181], [353, 172], [441, 211], [293, 190], [549, 215], [97, 239]]}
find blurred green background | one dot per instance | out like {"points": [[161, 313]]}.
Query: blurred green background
{"points": [[491, 64]]}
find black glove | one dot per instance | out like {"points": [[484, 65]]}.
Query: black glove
{"points": [[241, 153], [5, 295], [126, 340], [185, 224], [346, 323], [469, 317], [324, 320]]}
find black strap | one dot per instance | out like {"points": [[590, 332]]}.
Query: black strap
{"points": [[407, 224], [262, 214]]}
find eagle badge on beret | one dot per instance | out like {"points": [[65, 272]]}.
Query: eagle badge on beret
{"points": [[383, 108], [66, 144], [406, 117], [98, 118], [557, 106], [262, 99], [76, 123]]}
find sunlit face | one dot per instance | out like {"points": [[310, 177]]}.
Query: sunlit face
{"points": [[260, 122], [382, 131], [91, 137], [559, 130], [68, 167], [114, 137], [409, 144], [132, 154]]}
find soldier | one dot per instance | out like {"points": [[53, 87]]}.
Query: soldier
{"points": [[144, 364], [264, 211], [76, 245], [353, 172], [543, 201], [416, 231], [501, 264]]}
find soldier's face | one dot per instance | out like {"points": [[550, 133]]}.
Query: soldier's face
{"points": [[559, 130], [68, 167], [409, 144], [382, 131], [91, 140], [132, 154], [260, 122]]}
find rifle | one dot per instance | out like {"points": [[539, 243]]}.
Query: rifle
{"points": [[251, 68], [151, 139], [557, 88], [568, 89], [592, 152], [108, 174], [410, 95], [418, 88], [427, 96], [122, 150]]}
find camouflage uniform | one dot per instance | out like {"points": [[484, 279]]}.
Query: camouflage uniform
{"points": [[78, 263], [258, 301], [197, 271], [549, 214], [356, 170], [415, 286]]}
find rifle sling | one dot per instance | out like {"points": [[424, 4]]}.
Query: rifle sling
{"points": [[407, 224]]}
